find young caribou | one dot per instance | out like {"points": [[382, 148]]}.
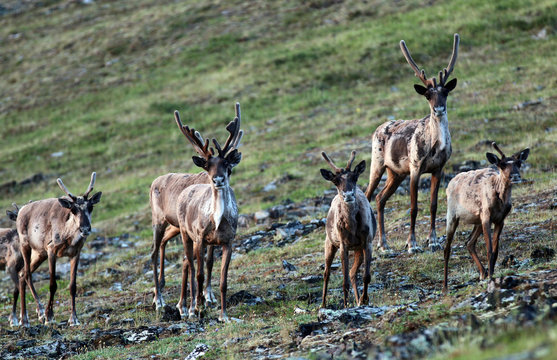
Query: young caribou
{"points": [[350, 227], [414, 147], [11, 259], [53, 228], [482, 197], [163, 197]]}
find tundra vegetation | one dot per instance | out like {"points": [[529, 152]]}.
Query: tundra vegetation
{"points": [[88, 87]]}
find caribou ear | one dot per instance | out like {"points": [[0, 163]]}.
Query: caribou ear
{"points": [[420, 89], [450, 85], [234, 158], [360, 168], [65, 203], [523, 155], [492, 158], [199, 161], [96, 198], [12, 215], [327, 174]]}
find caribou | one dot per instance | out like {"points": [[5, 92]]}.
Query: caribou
{"points": [[482, 197], [202, 208], [351, 226], [414, 147], [49, 229], [11, 259]]}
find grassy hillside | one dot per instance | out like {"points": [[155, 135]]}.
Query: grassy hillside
{"points": [[92, 87]]}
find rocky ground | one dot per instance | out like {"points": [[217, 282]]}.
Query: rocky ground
{"points": [[413, 326]]}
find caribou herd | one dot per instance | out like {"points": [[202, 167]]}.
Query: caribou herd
{"points": [[202, 208]]}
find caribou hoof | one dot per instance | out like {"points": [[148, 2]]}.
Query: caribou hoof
{"points": [[415, 250], [210, 298], [159, 303], [363, 301], [183, 310], [384, 251], [433, 247], [192, 315], [13, 321], [40, 314], [73, 321], [224, 318]]}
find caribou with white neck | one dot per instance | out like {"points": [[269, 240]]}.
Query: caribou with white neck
{"points": [[204, 214], [414, 147]]}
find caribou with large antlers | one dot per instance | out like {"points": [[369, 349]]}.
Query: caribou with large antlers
{"points": [[53, 228], [482, 197], [414, 147], [211, 218], [350, 227]]}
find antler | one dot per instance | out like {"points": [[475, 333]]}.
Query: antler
{"points": [[444, 75], [352, 156], [195, 138], [91, 184], [65, 189], [419, 73], [235, 136], [496, 147], [330, 162], [16, 207]]}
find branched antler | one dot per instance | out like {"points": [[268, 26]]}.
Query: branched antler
{"points": [[235, 136], [443, 75], [202, 146], [419, 73], [195, 138]]}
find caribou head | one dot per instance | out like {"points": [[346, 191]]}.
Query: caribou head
{"points": [[218, 164], [80, 207], [435, 93], [508, 166], [343, 178]]}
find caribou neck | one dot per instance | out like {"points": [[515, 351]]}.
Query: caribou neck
{"points": [[347, 216], [439, 130], [221, 203], [503, 186]]}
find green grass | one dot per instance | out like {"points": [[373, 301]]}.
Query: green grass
{"points": [[99, 82]]}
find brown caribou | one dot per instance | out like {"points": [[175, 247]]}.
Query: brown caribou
{"points": [[167, 206], [11, 260], [53, 228], [414, 147], [482, 197], [350, 227]]}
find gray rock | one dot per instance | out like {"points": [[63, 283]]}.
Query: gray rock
{"points": [[312, 279], [199, 351], [288, 266], [260, 216]]}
